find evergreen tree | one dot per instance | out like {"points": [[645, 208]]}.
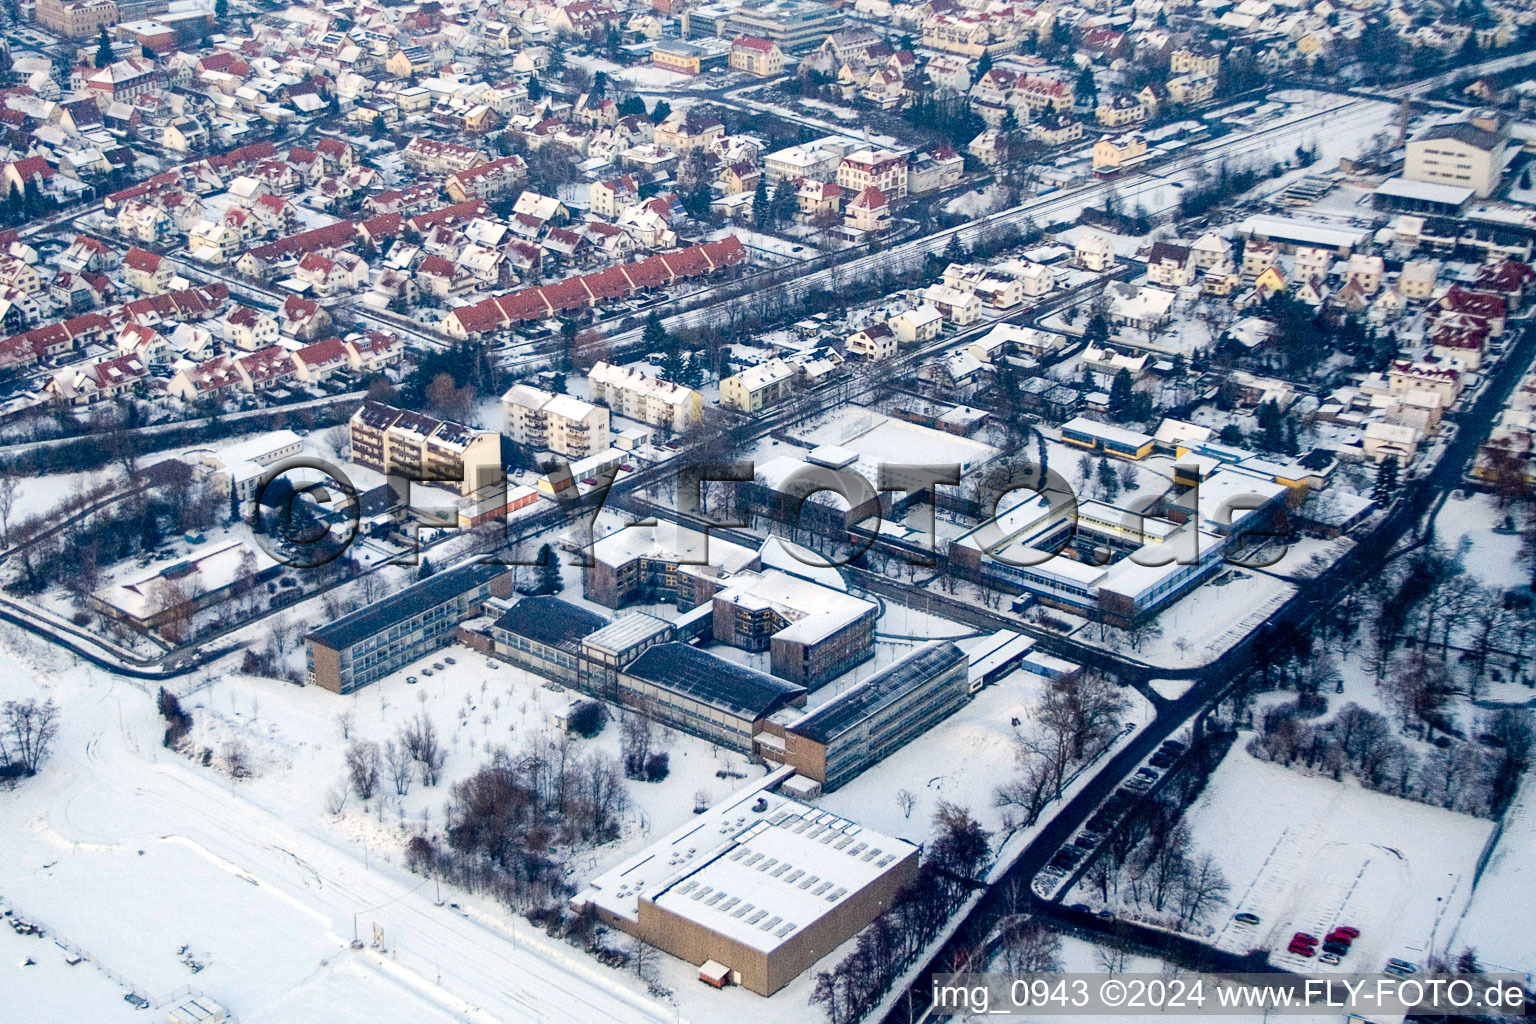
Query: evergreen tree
{"points": [[1180, 364], [103, 49], [1097, 329], [672, 366], [1386, 480], [784, 202], [1087, 88], [234, 504], [600, 84], [425, 569], [984, 65], [761, 211], [549, 572], [556, 66], [1525, 179], [221, 9], [654, 335], [954, 252], [1120, 392], [661, 111], [1271, 426], [1109, 480]]}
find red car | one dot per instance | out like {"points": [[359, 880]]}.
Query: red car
{"points": [[1304, 939], [1340, 936], [1344, 929], [1302, 949]]}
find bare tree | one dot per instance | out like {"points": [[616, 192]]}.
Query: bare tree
{"points": [[1204, 887], [344, 720], [336, 797], [906, 800], [400, 765], [1030, 946], [363, 767], [27, 730], [420, 738], [7, 505]]}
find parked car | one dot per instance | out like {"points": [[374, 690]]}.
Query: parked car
{"points": [[1329, 958], [1246, 918], [1301, 949], [410, 680], [1344, 929], [1310, 940], [1397, 966], [1336, 948]]}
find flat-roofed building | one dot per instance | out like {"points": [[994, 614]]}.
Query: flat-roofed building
{"points": [[615, 646], [394, 631], [665, 562], [873, 719], [703, 694], [544, 635], [755, 890], [815, 633], [1107, 438]]}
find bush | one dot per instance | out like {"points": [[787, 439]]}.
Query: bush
{"points": [[656, 767], [587, 719]]}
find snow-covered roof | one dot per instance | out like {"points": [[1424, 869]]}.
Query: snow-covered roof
{"points": [[756, 869]]}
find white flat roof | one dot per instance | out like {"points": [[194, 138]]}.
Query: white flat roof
{"points": [[1406, 188], [1312, 232], [754, 876]]}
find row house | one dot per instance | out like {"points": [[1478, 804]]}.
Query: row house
{"points": [[499, 312], [489, 180], [108, 379], [248, 328], [206, 380], [331, 275], [433, 156], [320, 361], [303, 319], [267, 368]]}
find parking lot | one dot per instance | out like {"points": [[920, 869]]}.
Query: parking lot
{"points": [[1318, 854]]}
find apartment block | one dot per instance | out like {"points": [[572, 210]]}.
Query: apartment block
{"points": [[421, 448], [648, 399], [561, 424]]}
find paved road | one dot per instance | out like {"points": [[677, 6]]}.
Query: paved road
{"points": [[1313, 599]]}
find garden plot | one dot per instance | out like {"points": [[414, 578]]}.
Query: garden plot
{"points": [[1326, 853]]}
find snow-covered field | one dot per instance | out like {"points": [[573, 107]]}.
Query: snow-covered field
{"points": [[1500, 923], [1325, 853], [133, 851]]}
